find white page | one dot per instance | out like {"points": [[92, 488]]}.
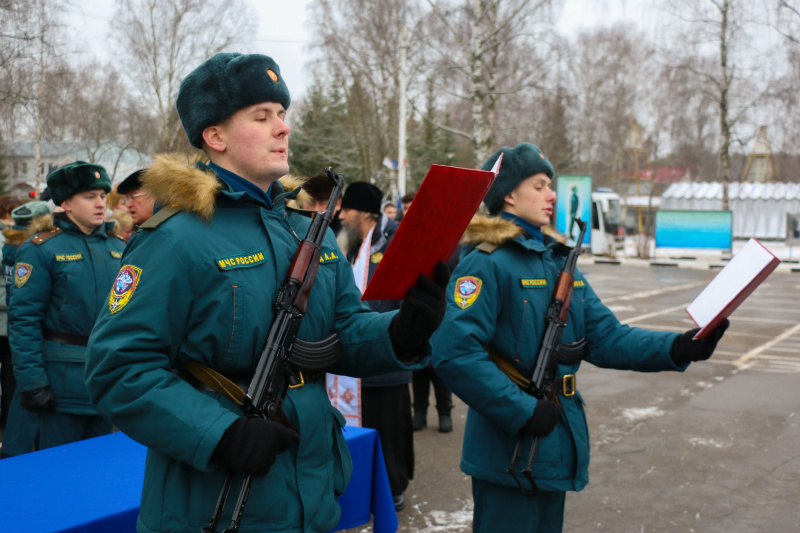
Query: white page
{"points": [[737, 274]]}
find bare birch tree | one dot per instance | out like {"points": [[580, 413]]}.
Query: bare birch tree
{"points": [[739, 82], [163, 40]]}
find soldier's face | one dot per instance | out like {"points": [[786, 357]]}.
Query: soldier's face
{"points": [[86, 209], [532, 200], [255, 143]]}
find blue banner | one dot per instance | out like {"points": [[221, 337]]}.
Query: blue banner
{"points": [[694, 229]]}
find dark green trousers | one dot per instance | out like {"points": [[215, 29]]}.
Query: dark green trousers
{"points": [[506, 509]]}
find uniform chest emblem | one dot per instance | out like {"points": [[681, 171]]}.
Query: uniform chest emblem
{"points": [[124, 287], [22, 271], [331, 256], [467, 290]]}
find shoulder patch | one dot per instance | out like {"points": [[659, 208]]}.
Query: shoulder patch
{"points": [[124, 287], [44, 237], [533, 283], [487, 247], [163, 214], [61, 258], [241, 261], [22, 271], [331, 256], [467, 290]]}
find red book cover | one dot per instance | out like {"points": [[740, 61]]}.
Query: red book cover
{"points": [[734, 283], [431, 229]]}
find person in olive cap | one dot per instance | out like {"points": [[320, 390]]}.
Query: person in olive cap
{"points": [[197, 284], [62, 276], [385, 399], [497, 301], [138, 202]]}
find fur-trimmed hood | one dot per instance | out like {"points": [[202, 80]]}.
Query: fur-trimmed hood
{"points": [[15, 236], [497, 230], [174, 180]]}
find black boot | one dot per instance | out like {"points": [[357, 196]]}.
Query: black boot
{"points": [[420, 420]]}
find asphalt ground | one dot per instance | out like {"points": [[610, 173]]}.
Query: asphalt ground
{"points": [[713, 449]]}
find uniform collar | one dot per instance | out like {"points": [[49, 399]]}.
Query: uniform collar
{"points": [[62, 221], [533, 232], [239, 184]]}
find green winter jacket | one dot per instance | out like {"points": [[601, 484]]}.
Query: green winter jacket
{"points": [[200, 287], [62, 278], [499, 300]]}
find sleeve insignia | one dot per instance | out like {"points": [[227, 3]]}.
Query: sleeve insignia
{"points": [[22, 271], [467, 290], [376, 257], [124, 287]]}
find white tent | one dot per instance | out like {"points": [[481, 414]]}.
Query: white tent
{"points": [[759, 209]]}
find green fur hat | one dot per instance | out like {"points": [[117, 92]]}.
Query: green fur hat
{"points": [[225, 84], [24, 214], [519, 163], [66, 181]]}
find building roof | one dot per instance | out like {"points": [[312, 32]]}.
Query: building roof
{"points": [[741, 191]]}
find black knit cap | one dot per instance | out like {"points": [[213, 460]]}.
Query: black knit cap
{"points": [[362, 196], [225, 84], [131, 183]]}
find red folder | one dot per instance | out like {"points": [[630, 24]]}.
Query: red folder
{"points": [[430, 231]]}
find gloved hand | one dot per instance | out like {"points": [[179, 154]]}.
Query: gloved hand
{"points": [[544, 420], [39, 400], [251, 445], [685, 349], [420, 313]]}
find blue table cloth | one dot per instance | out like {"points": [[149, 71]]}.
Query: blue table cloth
{"points": [[95, 486]]}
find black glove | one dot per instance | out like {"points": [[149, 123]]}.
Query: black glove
{"points": [[38, 400], [685, 349], [251, 445], [420, 314], [544, 419]]}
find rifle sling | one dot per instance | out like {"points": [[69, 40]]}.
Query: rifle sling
{"points": [[567, 354], [215, 381]]}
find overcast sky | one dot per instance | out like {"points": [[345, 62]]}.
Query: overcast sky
{"points": [[283, 32]]}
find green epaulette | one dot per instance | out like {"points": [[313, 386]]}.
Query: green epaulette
{"points": [[487, 247], [44, 237], [163, 214]]}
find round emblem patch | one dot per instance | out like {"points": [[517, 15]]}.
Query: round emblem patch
{"points": [[376, 257], [124, 287], [21, 273], [272, 75], [467, 290]]}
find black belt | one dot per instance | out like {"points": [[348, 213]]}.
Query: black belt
{"points": [[65, 338]]}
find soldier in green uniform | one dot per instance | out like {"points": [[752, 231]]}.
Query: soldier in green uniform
{"points": [[196, 289], [23, 425], [62, 278], [489, 341]]}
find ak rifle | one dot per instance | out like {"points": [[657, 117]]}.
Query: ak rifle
{"points": [[275, 374], [544, 374]]}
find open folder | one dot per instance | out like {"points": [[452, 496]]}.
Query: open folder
{"points": [[734, 283], [431, 229]]}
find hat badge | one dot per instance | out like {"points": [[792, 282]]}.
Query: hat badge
{"points": [[96, 175], [272, 75]]}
